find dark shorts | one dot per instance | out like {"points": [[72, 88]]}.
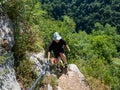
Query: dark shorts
{"points": [[57, 53]]}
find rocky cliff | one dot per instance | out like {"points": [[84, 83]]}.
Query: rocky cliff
{"points": [[7, 74], [72, 79]]}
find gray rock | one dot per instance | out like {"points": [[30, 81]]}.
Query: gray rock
{"points": [[73, 79], [7, 74], [38, 60], [49, 87]]}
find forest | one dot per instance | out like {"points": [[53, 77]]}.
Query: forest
{"points": [[85, 13], [90, 27]]}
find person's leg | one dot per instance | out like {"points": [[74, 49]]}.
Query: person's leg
{"points": [[63, 56], [56, 64], [55, 61]]}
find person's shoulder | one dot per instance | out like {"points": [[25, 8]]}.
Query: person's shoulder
{"points": [[62, 40]]}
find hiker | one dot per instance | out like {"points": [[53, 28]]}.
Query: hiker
{"points": [[57, 46]]}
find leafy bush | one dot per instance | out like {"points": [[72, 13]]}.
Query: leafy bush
{"points": [[85, 13], [94, 54], [29, 40], [50, 79], [103, 48], [25, 74], [6, 56]]}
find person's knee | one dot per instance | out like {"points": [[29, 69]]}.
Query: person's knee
{"points": [[54, 60], [62, 55]]}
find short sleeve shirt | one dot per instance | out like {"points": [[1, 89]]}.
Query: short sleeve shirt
{"points": [[56, 47]]}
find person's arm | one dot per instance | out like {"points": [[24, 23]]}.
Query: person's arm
{"points": [[49, 50], [68, 48], [48, 55], [64, 42]]}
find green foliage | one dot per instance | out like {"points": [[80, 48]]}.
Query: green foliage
{"points": [[6, 56], [51, 79], [99, 73], [116, 40], [85, 12], [106, 30], [102, 48], [27, 41], [21, 8], [77, 43], [2, 60], [13, 6], [111, 34], [94, 54], [3, 1], [25, 73]]}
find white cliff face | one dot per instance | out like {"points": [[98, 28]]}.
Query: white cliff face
{"points": [[7, 74], [6, 31]]}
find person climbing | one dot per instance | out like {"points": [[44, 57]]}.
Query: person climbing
{"points": [[57, 46]]}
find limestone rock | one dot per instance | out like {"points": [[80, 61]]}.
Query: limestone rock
{"points": [[73, 80], [7, 74]]}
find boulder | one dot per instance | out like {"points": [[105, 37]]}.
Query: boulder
{"points": [[73, 79]]}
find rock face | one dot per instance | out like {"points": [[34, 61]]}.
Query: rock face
{"points": [[73, 79], [7, 74], [39, 61], [6, 31]]}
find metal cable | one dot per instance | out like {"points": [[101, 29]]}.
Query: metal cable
{"points": [[42, 73]]}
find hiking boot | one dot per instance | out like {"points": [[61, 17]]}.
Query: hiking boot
{"points": [[59, 68]]}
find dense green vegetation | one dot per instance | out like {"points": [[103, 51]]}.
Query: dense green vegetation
{"points": [[4, 57], [96, 54], [85, 12]]}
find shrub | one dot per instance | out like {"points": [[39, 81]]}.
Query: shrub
{"points": [[25, 73], [29, 40]]}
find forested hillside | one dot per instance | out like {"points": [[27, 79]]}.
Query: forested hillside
{"points": [[85, 13], [95, 49]]}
